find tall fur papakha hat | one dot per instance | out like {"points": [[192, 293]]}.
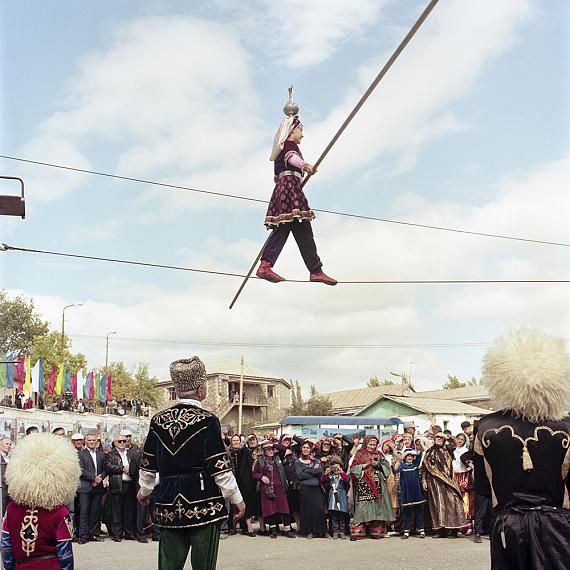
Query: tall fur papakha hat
{"points": [[528, 371], [188, 374], [43, 471]]}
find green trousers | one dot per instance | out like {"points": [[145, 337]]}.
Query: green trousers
{"points": [[176, 542]]}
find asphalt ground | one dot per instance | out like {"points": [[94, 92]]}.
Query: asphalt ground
{"points": [[263, 553]]}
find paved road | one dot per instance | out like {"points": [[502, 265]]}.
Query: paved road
{"points": [[261, 553]]}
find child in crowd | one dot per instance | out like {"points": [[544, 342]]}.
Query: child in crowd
{"points": [[338, 483], [412, 498]]}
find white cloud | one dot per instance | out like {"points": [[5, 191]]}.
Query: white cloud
{"points": [[353, 314], [411, 106]]}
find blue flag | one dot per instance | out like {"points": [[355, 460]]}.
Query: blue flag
{"points": [[103, 389], [67, 380], [10, 369]]}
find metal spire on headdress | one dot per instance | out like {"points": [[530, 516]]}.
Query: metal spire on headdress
{"points": [[291, 108]]}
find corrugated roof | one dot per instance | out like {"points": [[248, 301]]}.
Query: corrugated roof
{"points": [[467, 392], [355, 400], [438, 406], [339, 420]]}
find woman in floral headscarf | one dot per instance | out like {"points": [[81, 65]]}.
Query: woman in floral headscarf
{"points": [[372, 505]]}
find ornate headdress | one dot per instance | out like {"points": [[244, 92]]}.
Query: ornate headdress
{"points": [[287, 126], [43, 471], [528, 371], [188, 374]]}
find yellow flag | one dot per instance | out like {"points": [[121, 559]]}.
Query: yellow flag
{"points": [[59, 380], [28, 377]]}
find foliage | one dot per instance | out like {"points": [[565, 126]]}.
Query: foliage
{"points": [[318, 405], [297, 404], [375, 383], [20, 324], [48, 347], [453, 382], [134, 384], [146, 388]]}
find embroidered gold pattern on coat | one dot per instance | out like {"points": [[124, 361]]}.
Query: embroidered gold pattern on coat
{"points": [[29, 531], [175, 420], [565, 440]]}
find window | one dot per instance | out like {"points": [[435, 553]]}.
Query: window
{"points": [[271, 391]]}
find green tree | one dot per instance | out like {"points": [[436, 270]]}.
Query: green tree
{"points": [[297, 405], [20, 324], [123, 383], [318, 405], [146, 387], [375, 383], [48, 347], [453, 382]]}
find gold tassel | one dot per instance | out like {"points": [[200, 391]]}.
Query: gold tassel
{"points": [[526, 459]]}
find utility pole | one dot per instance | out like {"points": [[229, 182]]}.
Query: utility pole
{"points": [[240, 409], [63, 330], [107, 352]]}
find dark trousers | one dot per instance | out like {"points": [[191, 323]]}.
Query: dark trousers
{"points": [[123, 504], [483, 509], [303, 234], [89, 514], [75, 514], [338, 522], [176, 542], [142, 512], [417, 511]]}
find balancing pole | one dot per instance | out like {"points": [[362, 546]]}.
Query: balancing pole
{"points": [[347, 121]]}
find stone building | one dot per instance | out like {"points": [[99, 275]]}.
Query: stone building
{"points": [[265, 397]]}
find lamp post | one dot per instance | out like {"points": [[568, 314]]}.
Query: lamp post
{"points": [[63, 329], [107, 351]]}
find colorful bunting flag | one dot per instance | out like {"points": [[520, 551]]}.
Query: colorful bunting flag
{"points": [[21, 372], [74, 385], [87, 385], [3, 370], [97, 390], [59, 380], [103, 388], [51, 381], [67, 386], [80, 384], [10, 369], [28, 378], [109, 385], [38, 376], [91, 387]]}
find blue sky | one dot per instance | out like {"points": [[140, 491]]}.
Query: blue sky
{"points": [[469, 130]]}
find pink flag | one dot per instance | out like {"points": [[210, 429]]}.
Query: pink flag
{"points": [[109, 383], [51, 382], [91, 387], [74, 385], [21, 371]]}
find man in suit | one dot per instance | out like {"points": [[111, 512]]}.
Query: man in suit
{"points": [[121, 465], [90, 490]]}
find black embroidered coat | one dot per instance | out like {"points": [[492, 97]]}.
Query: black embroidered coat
{"points": [[184, 445], [523, 467]]}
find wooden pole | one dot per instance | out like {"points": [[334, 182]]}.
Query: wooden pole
{"points": [[347, 121]]}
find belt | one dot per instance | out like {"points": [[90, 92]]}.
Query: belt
{"points": [[543, 508], [290, 173], [32, 559]]}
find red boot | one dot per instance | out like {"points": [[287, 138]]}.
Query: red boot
{"points": [[321, 277], [265, 272]]}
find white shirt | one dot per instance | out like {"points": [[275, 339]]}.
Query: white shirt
{"points": [[125, 461], [225, 481], [94, 457]]}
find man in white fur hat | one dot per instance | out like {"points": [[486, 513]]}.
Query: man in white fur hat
{"points": [[522, 451], [184, 446]]}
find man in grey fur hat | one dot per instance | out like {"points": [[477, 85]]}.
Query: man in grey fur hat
{"points": [[184, 446]]}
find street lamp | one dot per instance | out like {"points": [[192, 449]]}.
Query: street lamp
{"points": [[63, 329], [107, 350]]}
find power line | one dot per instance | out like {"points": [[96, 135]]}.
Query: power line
{"points": [[281, 344], [6, 247], [260, 201]]}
